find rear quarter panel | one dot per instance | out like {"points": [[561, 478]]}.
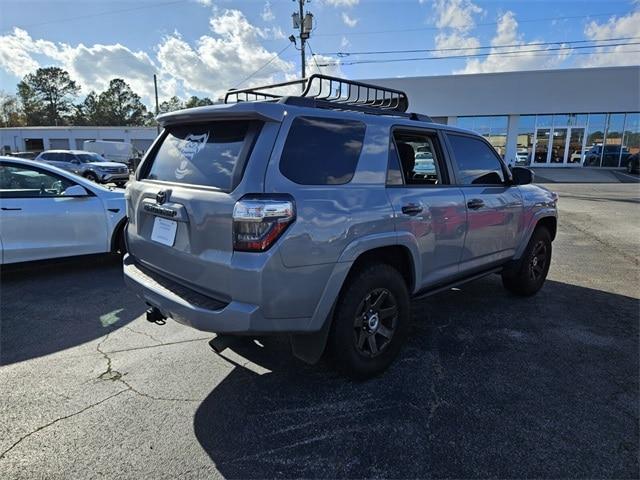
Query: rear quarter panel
{"points": [[330, 217]]}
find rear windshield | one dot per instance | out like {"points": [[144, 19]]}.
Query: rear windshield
{"points": [[211, 154]]}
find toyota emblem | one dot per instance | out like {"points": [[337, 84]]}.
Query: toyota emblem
{"points": [[161, 197]]}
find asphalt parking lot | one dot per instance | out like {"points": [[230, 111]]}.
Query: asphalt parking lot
{"points": [[489, 385]]}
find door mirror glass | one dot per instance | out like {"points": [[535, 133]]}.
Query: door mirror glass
{"points": [[522, 175], [75, 191]]}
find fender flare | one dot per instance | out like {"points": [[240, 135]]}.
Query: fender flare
{"points": [[539, 215]]}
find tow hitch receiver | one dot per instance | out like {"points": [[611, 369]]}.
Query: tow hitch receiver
{"points": [[155, 316]]}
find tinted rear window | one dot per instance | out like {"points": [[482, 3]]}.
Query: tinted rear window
{"points": [[211, 154], [322, 151]]}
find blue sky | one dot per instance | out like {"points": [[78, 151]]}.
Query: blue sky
{"points": [[204, 47]]}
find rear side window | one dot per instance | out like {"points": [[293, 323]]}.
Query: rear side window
{"points": [[211, 154], [477, 163], [322, 151]]}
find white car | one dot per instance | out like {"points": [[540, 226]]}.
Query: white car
{"points": [[47, 212]]}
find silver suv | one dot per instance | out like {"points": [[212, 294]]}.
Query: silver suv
{"points": [[87, 164], [308, 215]]}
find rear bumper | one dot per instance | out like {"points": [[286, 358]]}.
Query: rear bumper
{"points": [[204, 313]]}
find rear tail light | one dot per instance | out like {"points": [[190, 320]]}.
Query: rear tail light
{"points": [[259, 222]]}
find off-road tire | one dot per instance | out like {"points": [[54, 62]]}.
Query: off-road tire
{"points": [[527, 276], [345, 334]]}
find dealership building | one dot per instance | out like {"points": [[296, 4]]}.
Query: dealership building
{"points": [[37, 139], [547, 118]]}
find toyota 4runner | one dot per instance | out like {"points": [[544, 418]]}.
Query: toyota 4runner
{"points": [[322, 215]]}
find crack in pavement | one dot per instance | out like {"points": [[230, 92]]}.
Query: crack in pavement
{"points": [[53, 422], [108, 374], [148, 335], [114, 375]]}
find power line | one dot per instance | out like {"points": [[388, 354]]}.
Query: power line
{"points": [[486, 54], [313, 55], [265, 65], [100, 14], [484, 24], [428, 50]]}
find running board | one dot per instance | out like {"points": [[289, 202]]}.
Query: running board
{"points": [[462, 281]]}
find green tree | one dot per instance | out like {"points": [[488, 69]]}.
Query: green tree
{"points": [[120, 105], [171, 105], [47, 96], [197, 102], [10, 111], [88, 112]]}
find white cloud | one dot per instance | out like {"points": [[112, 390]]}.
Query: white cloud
{"points": [[456, 14], [349, 21], [615, 27], [344, 42], [218, 63], [267, 14], [343, 3], [92, 67], [17, 51], [523, 59], [455, 19], [464, 45], [206, 3]]}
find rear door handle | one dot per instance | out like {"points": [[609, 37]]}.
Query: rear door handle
{"points": [[6, 209], [411, 209], [475, 204]]}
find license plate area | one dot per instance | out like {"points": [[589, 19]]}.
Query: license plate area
{"points": [[164, 231]]}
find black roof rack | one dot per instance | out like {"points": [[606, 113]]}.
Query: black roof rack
{"points": [[324, 91]]}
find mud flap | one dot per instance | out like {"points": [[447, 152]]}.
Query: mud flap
{"points": [[309, 347]]}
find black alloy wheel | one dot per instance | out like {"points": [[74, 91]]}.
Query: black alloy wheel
{"points": [[375, 322]]}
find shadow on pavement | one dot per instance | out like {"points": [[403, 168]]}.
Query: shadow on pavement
{"points": [[489, 385], [54, 305]]}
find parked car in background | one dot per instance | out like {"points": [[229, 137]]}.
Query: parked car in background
{"points": [[87, 164], [48, 212], [633, 163], [313, 218], [522, 156], [25, 155], [122, 152], [610, 155]]}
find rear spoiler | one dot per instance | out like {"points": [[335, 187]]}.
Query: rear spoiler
{"points": [[268, 112]]}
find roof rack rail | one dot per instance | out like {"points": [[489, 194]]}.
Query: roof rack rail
{"points": [[324, 89]]}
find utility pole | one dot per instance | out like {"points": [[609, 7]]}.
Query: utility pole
{"points": [[303, 22]]}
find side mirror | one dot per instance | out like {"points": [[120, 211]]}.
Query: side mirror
{"points": [[522, 175], [75, 191]]}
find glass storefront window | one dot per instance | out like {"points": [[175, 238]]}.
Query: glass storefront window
{"points": [[465, 122], [595, 139], [631, 138], [613, 140], [542, 145], [492, 128], [544, 121], [524, 143], [561, 120]]}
